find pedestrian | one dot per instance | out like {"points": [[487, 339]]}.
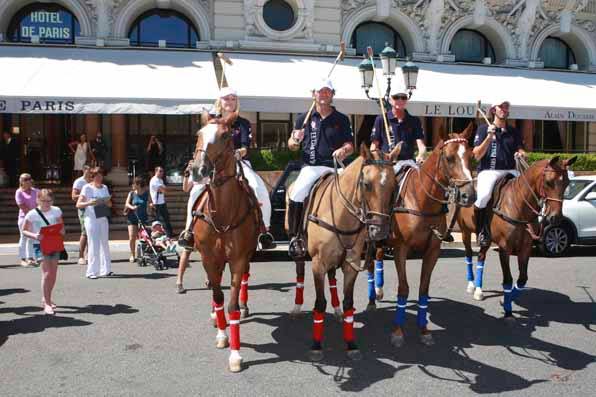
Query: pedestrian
{"points": [[82, 154], [186, 241], [99, 150], [96, 201], [10, 153], [154, 152], [45, 215], [136, 211], [26, 199], [77, 187], [157, 190]]}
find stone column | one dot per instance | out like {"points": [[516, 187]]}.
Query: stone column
{"points": [[527, 131], [119, 173]]}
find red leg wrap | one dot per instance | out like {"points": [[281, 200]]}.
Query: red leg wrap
{"points": [[235, 330], [349, 325], [318, 325], [220, 315], [244, 288], [299, 291], [333, 290]]}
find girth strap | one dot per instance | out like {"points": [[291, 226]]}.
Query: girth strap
{"points": [[334, 229]]}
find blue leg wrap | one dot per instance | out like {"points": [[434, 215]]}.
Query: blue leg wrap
{"points": [[400, 312], [422, 310], [470, 265], [479, 273], [371, 286], [517, 290], [507, 293], [379, 275]]}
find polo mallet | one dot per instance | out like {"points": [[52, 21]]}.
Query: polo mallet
{"points": [[339, 58], [369, 52], [224, 60], [479, 110]]}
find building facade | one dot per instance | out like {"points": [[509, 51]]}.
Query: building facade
{"points": [[529, 36]]}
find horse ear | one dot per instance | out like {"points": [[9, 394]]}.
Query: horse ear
{"points": [[467, 133], [365, 151], [395, 152], [567, 163], [552, 162]]}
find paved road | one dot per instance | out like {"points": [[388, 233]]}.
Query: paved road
{"points": [[132, 335]]}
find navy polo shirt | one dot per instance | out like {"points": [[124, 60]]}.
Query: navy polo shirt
{"points": [[501, 151], [241, 133], [323, 136], [406, 131]]}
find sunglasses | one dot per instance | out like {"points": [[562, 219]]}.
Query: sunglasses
{"points": [[26, 179], [400, 97]]}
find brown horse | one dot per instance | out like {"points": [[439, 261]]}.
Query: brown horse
{"points": [[342, 213], [226, 228], [518, 206], [419, 221]]}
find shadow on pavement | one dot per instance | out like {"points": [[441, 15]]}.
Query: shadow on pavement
{"points": [[10, 291]]}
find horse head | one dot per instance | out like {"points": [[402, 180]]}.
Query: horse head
{"points": [[214, 148], [376, 186], [549, 180], [453, 166]]}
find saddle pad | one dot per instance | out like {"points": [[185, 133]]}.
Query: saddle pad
{"points": [[401, 178], [499, 185]]}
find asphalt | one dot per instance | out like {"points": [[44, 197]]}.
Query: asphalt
{"points": [[132, 335]]}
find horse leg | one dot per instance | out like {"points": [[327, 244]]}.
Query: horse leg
{"points": [[238, 271], [478, 294], [299, 298], [428, 264], [316, 351], [370, 267], [507, 286], [334, 295], [217, 313], [523, 258], [348, 315], [397, 337], [467, 240], [244, 312], [379, 273]]}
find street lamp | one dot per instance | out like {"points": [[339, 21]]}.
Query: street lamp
{"points": [[389, 62]]}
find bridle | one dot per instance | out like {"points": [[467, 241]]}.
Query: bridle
{"points": [[216, 178]]}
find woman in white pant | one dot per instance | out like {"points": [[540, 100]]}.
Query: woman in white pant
{"points": [[94, 198], [26, 199]]}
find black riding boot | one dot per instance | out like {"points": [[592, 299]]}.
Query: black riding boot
{"points": [[482, 227], [296, 249]]}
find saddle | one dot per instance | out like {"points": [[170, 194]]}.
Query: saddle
{"points": [[499, 185], [322, 184]]}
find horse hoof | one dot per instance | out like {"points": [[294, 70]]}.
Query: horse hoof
{"points": [[296, 312], [315, 355], [371, 307], [235, 364], [244, 312], [478, 295], [221, 343], [471, 287], [427, 339], [338, 314], [379, 293], [397, 340], [354, 355], [509, 321]]}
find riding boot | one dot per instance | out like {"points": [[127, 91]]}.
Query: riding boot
{"points": [[296, 248], [482, 227], [448, 237]]}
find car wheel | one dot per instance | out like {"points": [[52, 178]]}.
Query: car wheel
{"points": [[556, 240]]}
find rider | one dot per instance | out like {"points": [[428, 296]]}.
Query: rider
{"points": [[326, 134], [241, 135], [495, 147]]}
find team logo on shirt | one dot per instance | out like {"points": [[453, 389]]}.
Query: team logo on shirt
{"points": [[313, 124]]}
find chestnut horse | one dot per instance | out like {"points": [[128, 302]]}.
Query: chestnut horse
{"points": [[227, 227], [342, 213], [419, 222], [518, 206]]}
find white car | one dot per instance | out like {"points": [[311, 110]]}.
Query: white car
{"points": [[579, 218]]}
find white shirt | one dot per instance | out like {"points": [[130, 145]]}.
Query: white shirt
{"points": [[36, 222], [91, 192], [154, 184], [79, 183]]}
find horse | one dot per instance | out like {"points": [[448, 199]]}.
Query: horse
{"points": [[419, 223], [227, 216], [517, 205], [342, 212]]}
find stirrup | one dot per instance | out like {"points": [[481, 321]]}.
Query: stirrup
{"points": [[186, 239], [484, 240], [448, 238], [296, 248], [266, 241]]}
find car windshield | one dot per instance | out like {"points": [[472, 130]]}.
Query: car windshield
{"points": [[575, 186]]}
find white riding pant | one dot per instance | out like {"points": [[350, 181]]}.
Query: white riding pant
{"points": [[254, 181], [25, 243], [486, 183], [306, 179], [99, 261], [401, 163]]}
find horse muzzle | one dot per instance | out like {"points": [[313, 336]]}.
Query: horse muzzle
{"points": [[378, 226]]}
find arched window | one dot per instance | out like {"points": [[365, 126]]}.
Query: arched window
{"points": [[279, 15], [51, 23], [171, 26], [375, 35], [471, 46], [556, 54]]}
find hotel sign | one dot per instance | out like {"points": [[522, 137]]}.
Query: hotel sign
{"points": [[50, 26]]}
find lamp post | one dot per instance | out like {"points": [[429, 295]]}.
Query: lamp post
{"points": [[389, 62]]}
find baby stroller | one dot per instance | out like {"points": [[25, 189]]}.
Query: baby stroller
{"points": [[148, 253]]}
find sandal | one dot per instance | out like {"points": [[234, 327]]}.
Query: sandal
{"points": [[52, 305], [48, 310], [180, 289]]}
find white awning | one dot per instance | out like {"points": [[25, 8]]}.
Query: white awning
{"points": [[76, 80], [277, 83]]}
